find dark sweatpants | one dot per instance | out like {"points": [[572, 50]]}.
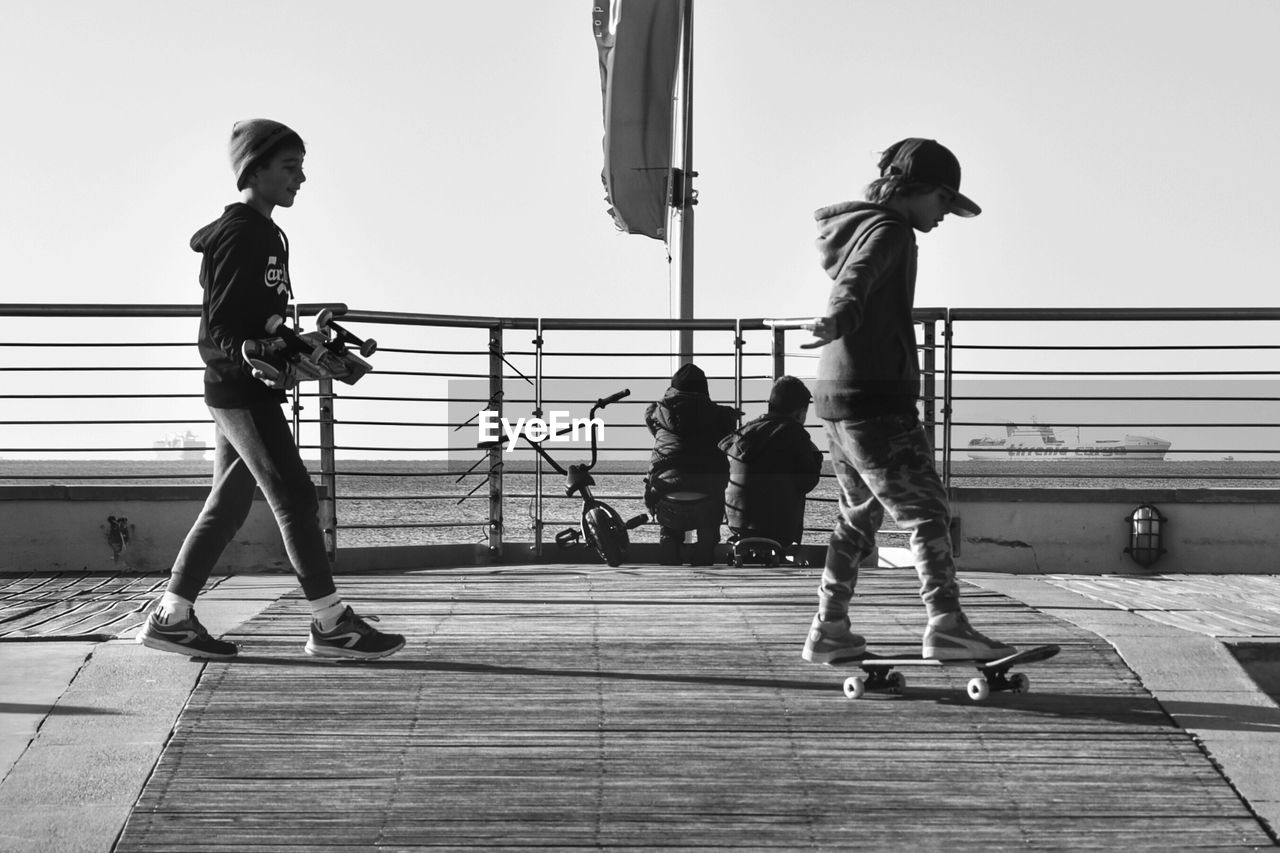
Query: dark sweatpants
{"points": [[254, 447]]}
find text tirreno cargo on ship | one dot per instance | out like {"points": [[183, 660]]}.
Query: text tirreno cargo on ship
{"points": [[1073, 451], [557, 426], [1038, 441]]}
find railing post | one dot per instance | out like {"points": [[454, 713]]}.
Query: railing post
{"points": [[778, 349], [537, 462], [946, 399], [495, 452], [296, 394], [738, 343], [328, 469], [930, 383]]}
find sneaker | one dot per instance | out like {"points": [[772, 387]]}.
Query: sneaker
{"points": [[187, 637], [832, 642], [353, 638], [951, 637]]}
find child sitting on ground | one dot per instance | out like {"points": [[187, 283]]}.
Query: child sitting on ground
{"points": [[687, 471], [773, 464]]}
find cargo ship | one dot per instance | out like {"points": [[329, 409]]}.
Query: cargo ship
{"points": [[1037, 442], [179, 445]]}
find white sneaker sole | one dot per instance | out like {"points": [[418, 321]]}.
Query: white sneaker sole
{"points": [[848, 653], [986, 653], [179, 649], [335, 653]]}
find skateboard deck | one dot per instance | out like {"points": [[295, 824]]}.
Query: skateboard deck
{"points": [[322, 354], [993, 676]]}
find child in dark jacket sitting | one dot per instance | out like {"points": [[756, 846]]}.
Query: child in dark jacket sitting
{"points": [[687, 470], [773, 464]]}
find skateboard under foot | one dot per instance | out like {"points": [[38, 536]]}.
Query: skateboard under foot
{"points": [[993, 676]]}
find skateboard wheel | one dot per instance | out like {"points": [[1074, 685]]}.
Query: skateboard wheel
{"points": [[979, 689], [855, 686], [896, 681], [1019, 683]]}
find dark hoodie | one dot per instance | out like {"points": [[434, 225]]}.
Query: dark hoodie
{"points": [[686, 426], [773, 464], [871, 369], [245, 277]]}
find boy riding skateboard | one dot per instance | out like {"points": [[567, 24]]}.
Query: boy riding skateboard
{"points": [[866, 393]]}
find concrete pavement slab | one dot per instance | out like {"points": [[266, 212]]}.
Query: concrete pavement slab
{"points": [[127, 693], [83, 724], [56, 829], [32, 678], [1194, 676]]}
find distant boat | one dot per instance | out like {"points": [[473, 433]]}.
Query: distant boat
{"points": [[1036, 442], [180, 445]]}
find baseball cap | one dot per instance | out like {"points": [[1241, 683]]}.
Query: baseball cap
{"points": [[925, 161]]}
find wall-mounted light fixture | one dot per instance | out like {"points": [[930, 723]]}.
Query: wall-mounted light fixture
{"points": [[1146, 535]]}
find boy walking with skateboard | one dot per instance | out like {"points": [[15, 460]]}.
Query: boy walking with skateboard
{"points": [[245, 278], [866, 392]]}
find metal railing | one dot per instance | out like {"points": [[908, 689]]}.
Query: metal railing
{"points": [[84, 388], [1204, 380]]}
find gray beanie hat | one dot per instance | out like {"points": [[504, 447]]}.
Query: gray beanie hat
{"points": [[252, 138]]}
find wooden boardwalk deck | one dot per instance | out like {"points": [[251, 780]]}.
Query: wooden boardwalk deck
{"points": [[583, 707], [84, 606]]}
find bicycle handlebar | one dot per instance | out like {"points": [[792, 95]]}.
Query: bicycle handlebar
{"points": [[613, 398]]}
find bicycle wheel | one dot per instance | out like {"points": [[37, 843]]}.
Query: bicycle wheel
{"points": [[604, 535]]}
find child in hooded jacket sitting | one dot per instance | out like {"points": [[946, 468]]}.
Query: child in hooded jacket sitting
{"points": [[773, 464], [687, 469]]}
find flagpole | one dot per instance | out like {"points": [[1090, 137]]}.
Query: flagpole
{"points": [[683, 196]]}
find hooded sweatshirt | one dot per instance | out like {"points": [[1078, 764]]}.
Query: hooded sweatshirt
{"points": [[686, 426], [869, 251], [773, 464], [245, 278]]}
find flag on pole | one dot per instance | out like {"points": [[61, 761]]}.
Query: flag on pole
{"points": [[638, 42]]}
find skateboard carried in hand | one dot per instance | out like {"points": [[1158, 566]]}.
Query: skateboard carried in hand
{"points": [[323, 354], [993, 676]]}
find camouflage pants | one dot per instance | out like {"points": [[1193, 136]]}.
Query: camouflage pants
{"points": [[881, 464]]}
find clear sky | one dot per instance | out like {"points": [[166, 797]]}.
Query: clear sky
{"points": [[1123, 150]]}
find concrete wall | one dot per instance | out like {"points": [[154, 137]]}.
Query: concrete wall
{"points": [[1084, 531], [68, 528]]}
